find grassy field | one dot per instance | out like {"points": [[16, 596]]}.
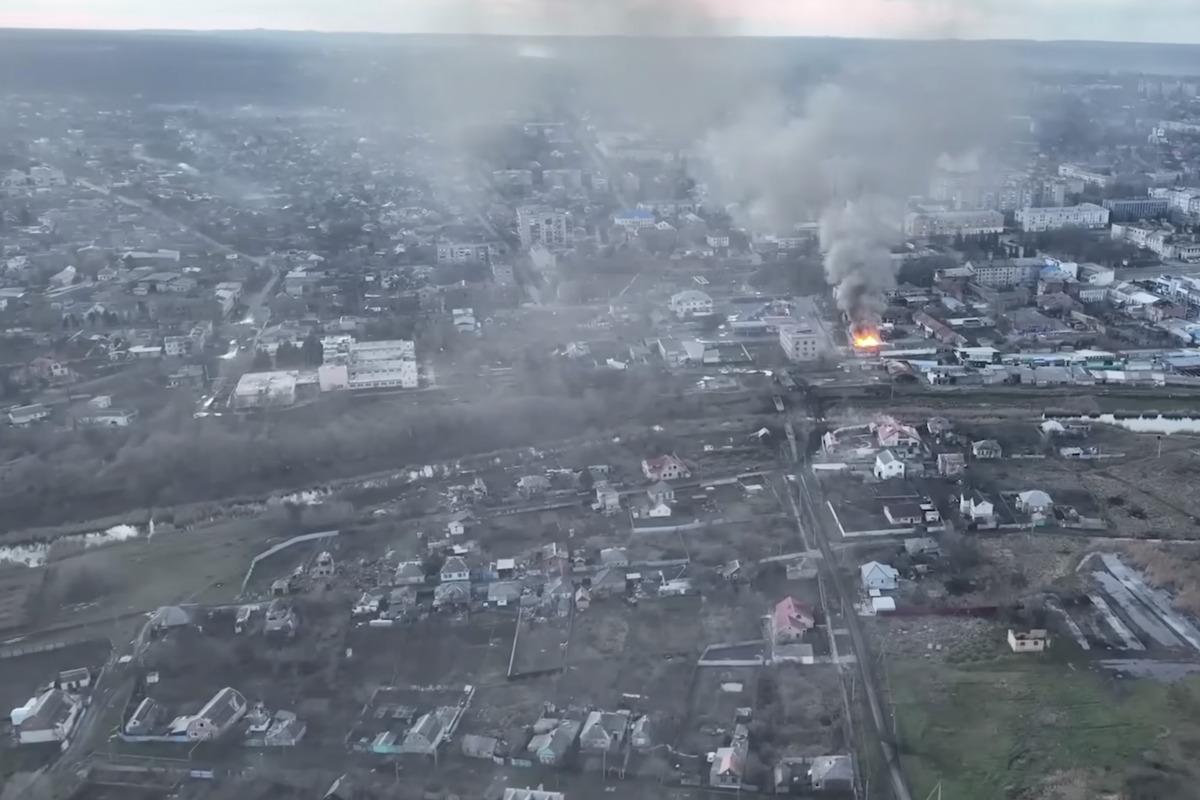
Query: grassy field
{"points": [[1034, 727]]}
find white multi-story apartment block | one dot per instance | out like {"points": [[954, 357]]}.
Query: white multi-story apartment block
{"points": [[925, 224], [546, 226], [691, 303], [1006, 272], [1084, 215], [461, 252], [800, 342], [1085, 174], [1163, 241]]}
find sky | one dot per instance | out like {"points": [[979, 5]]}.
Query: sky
{"points": [[1108, 20]]}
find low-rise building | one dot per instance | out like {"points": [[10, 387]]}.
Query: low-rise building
{"points": [[108, 418], [24, 416], [218, 716], [876, 575], [951, 465], [888, 466], [265, 390], [665, 468], [604, 731], [690, 303], [729, 763], [48, 717], [986, 449], [790, 621], [1035, 640]]}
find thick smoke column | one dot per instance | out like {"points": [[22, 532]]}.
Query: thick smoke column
{"points": [[851, 156], [856, 238]]}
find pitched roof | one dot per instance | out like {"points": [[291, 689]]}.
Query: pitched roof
{"points": [[790, 615]]}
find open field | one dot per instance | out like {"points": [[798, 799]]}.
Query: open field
{"points": [[1037, 726]]}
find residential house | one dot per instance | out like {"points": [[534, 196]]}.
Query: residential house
{"points": [[790, 621], [951, 465], [922, 546], [24, 416], [938, 426], [553, 740], [912, 513], [608, 499], [978, 511], [1034, 640], [503, 594], [604, 731], [641, 733], [454, 568], [887, 466], [729, 763], [831, 775], [878, 576], [49, 369], [428, 731], [280, 619], [665, 468], [49, 717], [893, 435], [986, 449], [1034, 501], [218, 716], [533, 485], [324, 566], [661, 492], [409, 573], [452, 593], [614, 557], [608, 582], [400, 601], [475, 746], [457, 526], [145, 718]]}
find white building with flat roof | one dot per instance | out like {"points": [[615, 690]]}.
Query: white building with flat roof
{"points": [[800, 342], [265, 389], [391, 363], [1084, 215], [691, 303]]}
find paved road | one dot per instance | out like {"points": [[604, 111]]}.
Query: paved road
{"points": [[807, 518]]}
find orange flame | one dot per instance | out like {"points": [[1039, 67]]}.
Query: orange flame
{"points": [[866, 339]]}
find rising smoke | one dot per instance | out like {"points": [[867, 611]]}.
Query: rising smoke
{"points": [[852, 154], [847, 152]]}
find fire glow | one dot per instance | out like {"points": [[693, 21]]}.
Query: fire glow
{"points": [[866, 339]]}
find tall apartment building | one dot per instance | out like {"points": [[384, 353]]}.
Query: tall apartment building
{"points": [[1137, 208], [540, 225], [1092, 175], [925, 224], [1084, 215]]}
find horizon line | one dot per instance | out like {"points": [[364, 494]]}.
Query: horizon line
{"points": [[552, 35]]}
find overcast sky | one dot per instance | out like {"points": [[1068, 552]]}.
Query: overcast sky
{"points": [[1113, 20]]}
